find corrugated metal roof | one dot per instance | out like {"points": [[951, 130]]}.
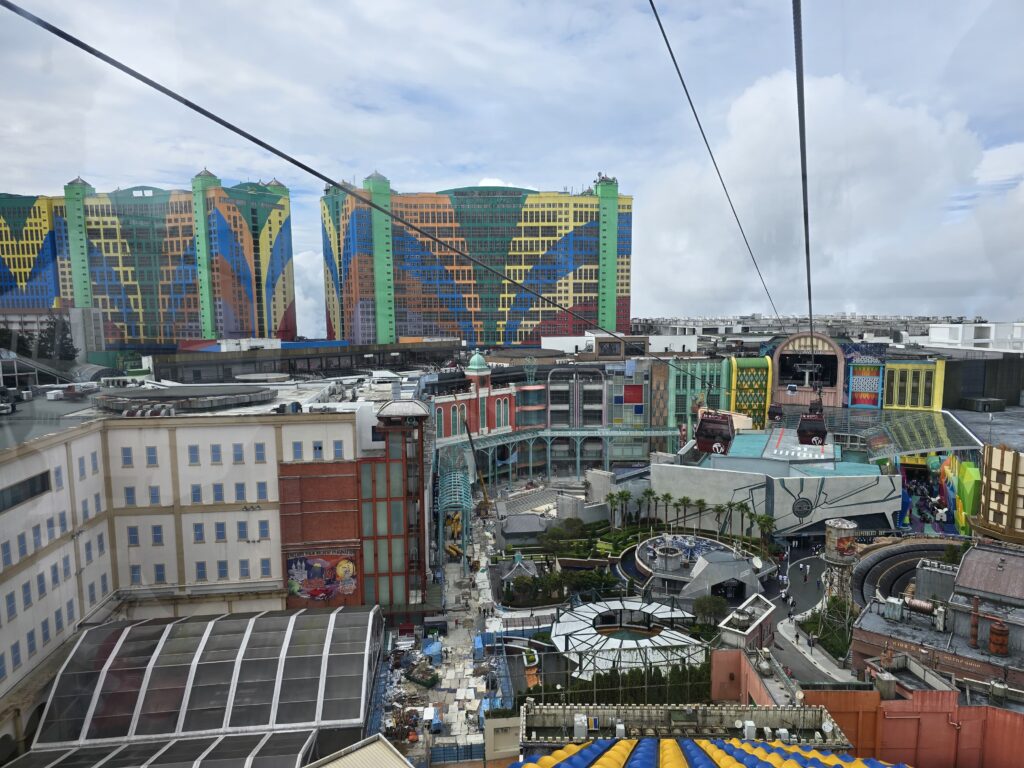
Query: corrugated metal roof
{"points": [[996, 571], [373, 752]]}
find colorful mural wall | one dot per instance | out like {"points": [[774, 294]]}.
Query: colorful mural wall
{"points": [[383, 283], [161, 266], [750, 385], [961, 481]]}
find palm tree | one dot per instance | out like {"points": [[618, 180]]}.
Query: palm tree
{"points": [[744, 510], [666, 499], [678, 506], [730, 510], [647, 495], [612, 499], [701, 505], [624, 497], [766, 525], [686, 500], [720, 512]]}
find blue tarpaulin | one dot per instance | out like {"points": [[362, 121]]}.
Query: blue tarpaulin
{"points": [[432, 650]]}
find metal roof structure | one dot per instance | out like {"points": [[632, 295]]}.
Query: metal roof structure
{"points": [[202, 689], [372, 752], [643, 634]]}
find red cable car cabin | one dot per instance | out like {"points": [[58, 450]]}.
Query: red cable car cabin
{"points": [[714, 432], [812, 430]]}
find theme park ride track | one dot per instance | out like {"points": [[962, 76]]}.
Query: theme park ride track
{"points": [[882, 569]]}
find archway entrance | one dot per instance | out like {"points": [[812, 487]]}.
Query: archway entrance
{"points": [[794, 379]]}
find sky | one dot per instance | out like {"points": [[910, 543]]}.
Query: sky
{"points": [[915, 128]]}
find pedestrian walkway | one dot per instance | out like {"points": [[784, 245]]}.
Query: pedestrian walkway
{"points": [[815, 656]]}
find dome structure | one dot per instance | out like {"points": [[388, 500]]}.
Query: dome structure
{"points": [[478, 365]]}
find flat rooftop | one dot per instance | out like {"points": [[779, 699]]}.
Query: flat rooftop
{"points": [[1006, 427], [41, 417]]}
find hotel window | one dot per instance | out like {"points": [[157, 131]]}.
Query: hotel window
{"points": [[198, 533], [215, 453], [265, 567], [264, 527], [37, 537], [58, 621], [95, 459], [159, 573], [81, 467], [200, 570], [104, 584], [243, 569], [218, 492], [197, 493], [261, 490], [135, 574], [297, 451], [261, 453], [30, 642], [222, 569], [129, 495], [15, 655], [151, 456], [85, 510], [88, 552], [22, 546], [193, 455], [237, 453], [126, 457], [220, 531], [96, 503], [41, 584], [12, 606], [5, 554], [154, 495], [157, 532], [51, 530], [92, 593], [239, 491], [101, 544], [243, 530], [58, 478], [69, 609], [318, 450], [54, 576]]}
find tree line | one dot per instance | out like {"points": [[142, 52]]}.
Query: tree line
{"points": [[648, 503]]}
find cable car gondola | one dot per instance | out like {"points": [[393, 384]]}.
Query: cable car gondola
{"points": [[715, 432], [812, 429], [776, 413]]}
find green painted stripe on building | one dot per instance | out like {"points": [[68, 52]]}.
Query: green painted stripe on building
{"points": [[383, 260], [200, 215], [78, 244], [608, 254]]}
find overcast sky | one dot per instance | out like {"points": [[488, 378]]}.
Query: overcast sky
{"points": [[915, 128]]}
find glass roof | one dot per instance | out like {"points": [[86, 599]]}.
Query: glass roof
{"points": [[257, 750], [212, 675]]}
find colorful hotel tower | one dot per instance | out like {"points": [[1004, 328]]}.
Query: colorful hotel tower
{"points": [[159, 265], [386, 283]]}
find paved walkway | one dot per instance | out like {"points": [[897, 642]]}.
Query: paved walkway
{"points": [[806, 664], [816, 657]]}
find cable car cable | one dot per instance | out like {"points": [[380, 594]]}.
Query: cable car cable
{"points": [[347, 187], [714, 162]]}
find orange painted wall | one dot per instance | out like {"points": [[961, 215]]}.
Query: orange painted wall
{"points": [[856, 712], [734, 679]]}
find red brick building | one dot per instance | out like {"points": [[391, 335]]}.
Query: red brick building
{"points": [[353, 532]]}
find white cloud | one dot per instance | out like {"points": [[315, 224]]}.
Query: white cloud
{"points": [[908, 106]]}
